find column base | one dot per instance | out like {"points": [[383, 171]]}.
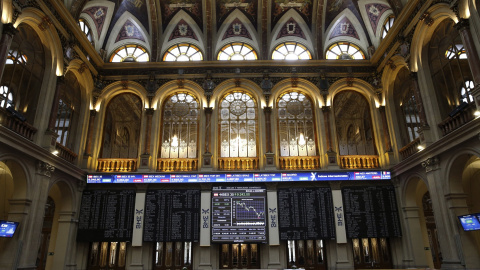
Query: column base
{"points": [[270, 161], [144, 163], [332, 162], [207, 161]]}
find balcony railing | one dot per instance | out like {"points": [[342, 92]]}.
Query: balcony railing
{"points": [[177, 164], [17, 125], [65, 153], [240, 163], [410, 148], [459, 119], [359, 162], [299, 163], [117, 165]]}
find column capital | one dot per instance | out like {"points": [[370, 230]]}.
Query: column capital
{"points": [[326, 108], [413, 75], [267, 109], [9, 29], [208, 110], [150, 111], [463, 24], [44, 168], [93, 113]]}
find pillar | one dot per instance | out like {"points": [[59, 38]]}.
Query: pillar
{"points": [[331, 155], [448, 243], [386, 133], [87, 156], [269, 155], [65, 240], [50, 134], [145, 157], [6, 40], [207, 156], [31, 241], [416, 248]]}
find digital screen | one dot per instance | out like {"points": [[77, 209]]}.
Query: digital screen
{"points": [[7, 228], [470, 222], [238, 214], [237, 177]]}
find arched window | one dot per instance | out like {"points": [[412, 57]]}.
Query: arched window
{"points": [[6, 97], [183, 52], [344, 51], [296, 129], [238, 125], [466, 92], [24, 70], [86, 29], [406, 107], [67, 113], [121, 133], [130, 53], [456, 51], [387, 26], [448, 67], [237, 51], [354, 124], [180, 127], [291, 51]]}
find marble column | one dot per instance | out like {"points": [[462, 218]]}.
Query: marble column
{"points": [[424, 130], [386, 133], [91, 121], [331, 155], [269, 155], [207, 156], [145, 157], [6, 40]]}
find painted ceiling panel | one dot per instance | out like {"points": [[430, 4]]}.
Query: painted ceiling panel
{"points": [[129, 31], [375, 12], [291, 28], [303, 7], [183, 30], [236, 29], [171, 7], [98, 14], [247, 7], [344, 28]]}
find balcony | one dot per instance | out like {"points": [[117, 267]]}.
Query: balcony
{"points": [[359, 162], [65, 153], [410, 149], [117, 165], [459, 118], [238, 163], [177, 164], [16, 122], [299, 163]]}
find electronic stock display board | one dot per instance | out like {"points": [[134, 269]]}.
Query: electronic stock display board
{"points": [[106, 215], [237, 177], [470, 222], [238, 214], [371, 211]]}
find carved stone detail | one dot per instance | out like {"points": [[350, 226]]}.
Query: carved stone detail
{"points": [[431, 164], [45, 169]]}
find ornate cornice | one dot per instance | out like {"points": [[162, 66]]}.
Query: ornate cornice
{"points": [[45, 169]]}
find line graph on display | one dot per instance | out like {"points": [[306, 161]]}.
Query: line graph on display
{"points": [[250, 209]]}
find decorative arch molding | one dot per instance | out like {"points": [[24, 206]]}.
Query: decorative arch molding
{"points": [[182, 15], [236, 14], [302, 85], [361, 86], [409, 191], [49, 37], [85, 78], [389, 75], [172, 87], [113, 45], [292, 14], [99, 33], [68, 196], [19, 171], [362, 42], [455, 165], [232, 85], [375, 34], [423, 33], [120, 87]]}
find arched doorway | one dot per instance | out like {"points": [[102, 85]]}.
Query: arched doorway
{"points": [[431, 230], [46, 233]]}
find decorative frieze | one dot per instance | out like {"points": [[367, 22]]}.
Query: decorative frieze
{"points": [[431, 164], [45, 169]]}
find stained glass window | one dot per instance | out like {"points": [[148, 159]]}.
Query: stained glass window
{"points": [[237, 51], [291, 51], [183, 52], [344, 51], [130, 53]]}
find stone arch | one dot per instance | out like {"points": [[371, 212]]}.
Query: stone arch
{"points": [[237, 14], [49, 37]]}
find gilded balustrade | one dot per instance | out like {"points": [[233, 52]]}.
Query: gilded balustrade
{"points": [[299, 163], [359, 162], [177, 164], [117, 165], [238, 163]]}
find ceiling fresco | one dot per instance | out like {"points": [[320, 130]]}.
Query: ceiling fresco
{"points": [[305, 17]]}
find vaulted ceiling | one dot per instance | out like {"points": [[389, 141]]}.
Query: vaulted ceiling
{"points": [[157, 25]]}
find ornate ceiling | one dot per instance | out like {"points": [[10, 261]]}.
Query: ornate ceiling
{"points": [[209, 25]]}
